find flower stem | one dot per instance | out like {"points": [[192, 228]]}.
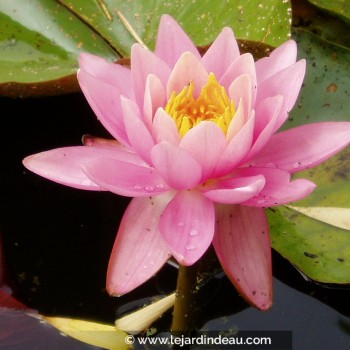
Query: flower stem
{"points": [[185, 300]]}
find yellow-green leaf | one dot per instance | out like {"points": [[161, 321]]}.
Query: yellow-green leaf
{"points": [[140, 320], [338, 217], [97, 334]]}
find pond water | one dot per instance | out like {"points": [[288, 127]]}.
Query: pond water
{"points": [[57, 243]]}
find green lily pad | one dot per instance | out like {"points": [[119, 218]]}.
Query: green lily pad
{"points": [[338, 7], [321, 251], [267, 21], [41, 39], [325, 95], [39, 44]]}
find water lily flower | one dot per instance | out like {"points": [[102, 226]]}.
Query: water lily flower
{"points": [[196, 143]]}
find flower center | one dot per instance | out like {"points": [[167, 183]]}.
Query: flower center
{"points": [[212, 104]]}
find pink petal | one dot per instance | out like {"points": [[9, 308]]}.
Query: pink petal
{"points": [[125, 179], [305, 146], [143, 63], [282, 57], [187, 69], [235, 190], [187, 225], [104, 99], [164, 128], [154, 98], [205, 143], [139, 250], [172, 41], [242, 244], [269, 112], [111, 73], [237, 122], [178, 168], [138, 134], [241, 90], [222, 52], [243, 65], [266, 113], [278, 188], [237, 149], [286, 82], [64, 165]]}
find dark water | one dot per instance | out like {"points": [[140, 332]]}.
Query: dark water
{"points": [[57, 243]]}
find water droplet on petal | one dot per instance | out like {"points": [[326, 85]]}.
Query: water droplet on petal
{"points": [[194, 232], [137, 187], [149, 188], [160, 186], [180, 224], [190, 247], [297, 165]]}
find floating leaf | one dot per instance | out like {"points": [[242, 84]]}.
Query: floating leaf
{"points": [[97, 334], [323, 24], [320, 251], [39, 44], [338, 217], [267, 21], [140, 320], [42, 38], [325, 95], [339, 7]]}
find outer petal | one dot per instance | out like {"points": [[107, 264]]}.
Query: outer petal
{"points": [[64, 165], [172, 41], [111, 73], [305, 146], [187, 225], [138, 134], [187, 69], [104, 99], [236, 190], [278, 188], [178, 168], [222, 52], [143, 63], [139, 250], [280, 58], [125, 179], [242, 244], [205, 143]]}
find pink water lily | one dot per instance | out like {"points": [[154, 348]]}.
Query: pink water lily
{"points": [[197, 147]]}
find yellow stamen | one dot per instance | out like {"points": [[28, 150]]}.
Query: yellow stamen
{"points": [[212, 104]]}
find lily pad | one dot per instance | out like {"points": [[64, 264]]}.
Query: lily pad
{"points": [[39, 44], [41, 39], [265, 21], [325, 95], [338, 7]]}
